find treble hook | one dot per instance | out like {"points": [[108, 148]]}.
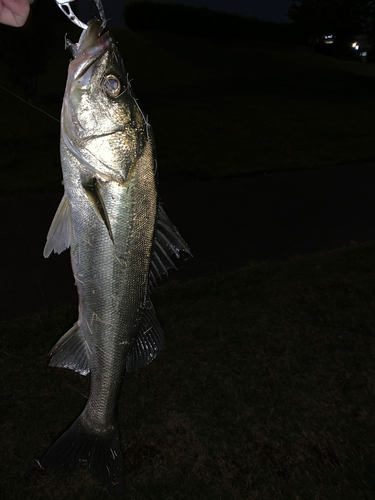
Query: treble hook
{"points": [[66, 8], [64, 5]]}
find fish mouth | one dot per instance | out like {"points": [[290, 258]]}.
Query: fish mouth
{"points": [[91, 39], [90, 47]]}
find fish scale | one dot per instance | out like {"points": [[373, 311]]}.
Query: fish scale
{"points": [[120, 242], [128, 271]]}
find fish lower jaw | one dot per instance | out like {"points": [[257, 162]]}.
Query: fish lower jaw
{"points": [[86, 58]]}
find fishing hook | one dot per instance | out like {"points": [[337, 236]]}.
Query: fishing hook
{"points": [[66, 8], [64, 5]]}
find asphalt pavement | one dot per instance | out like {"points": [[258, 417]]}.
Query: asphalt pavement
{"points": [[227, 223]]}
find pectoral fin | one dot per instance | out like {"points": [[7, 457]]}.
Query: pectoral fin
{"points": [[72, 352], [60, 234], [93, 194]]}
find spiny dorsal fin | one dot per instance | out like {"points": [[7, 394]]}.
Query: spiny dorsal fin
{"points": [[167, 242], [72, 352], [60, 234], [149, 342]]}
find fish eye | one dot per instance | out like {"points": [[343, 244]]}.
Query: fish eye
{"points": [[112, 85]]}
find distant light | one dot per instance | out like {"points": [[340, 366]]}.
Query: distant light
{"points": [[328, 39], [363, 54], [355, 45]]}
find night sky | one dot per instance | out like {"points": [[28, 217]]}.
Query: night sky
{"points": [[268, 10]]}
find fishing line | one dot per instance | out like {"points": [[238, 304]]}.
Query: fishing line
{"points": [[32, 105]]}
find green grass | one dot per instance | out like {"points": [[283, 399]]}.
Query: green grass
{"points": [[265, 390], [216, 111]]}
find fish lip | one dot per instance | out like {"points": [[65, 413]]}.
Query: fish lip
{"points": [[87, 54], [101, 43], [91, 36]]}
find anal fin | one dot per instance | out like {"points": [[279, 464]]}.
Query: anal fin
{"points": [[71, 351]]}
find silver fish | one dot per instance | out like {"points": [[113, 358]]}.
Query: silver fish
{"points": [[120, 241]]}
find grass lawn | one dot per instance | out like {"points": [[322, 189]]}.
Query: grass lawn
{"points": [[216, 111], [265, 390]]}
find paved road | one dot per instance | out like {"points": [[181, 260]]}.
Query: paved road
{"points": [[227, 223]]}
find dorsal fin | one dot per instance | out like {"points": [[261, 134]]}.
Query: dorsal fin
{"points": [[149, 341], [167, 242]]}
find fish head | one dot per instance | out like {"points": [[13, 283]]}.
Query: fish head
{"points": [[100, 118]]}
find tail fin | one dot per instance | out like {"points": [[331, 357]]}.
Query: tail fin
{"points": [[79, 446]]}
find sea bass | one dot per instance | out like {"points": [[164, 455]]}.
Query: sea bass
{"points": [[120, 242]]}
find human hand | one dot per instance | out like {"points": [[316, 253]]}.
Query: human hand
{"points": [[14, 12]]}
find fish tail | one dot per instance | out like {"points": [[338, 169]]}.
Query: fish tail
{"points": [[80, 446]]}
